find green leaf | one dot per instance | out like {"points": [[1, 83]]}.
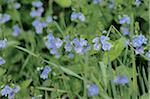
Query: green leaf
{"points": [[2, 71], [145, 96], [25, 84], [14, 15], [69, 72], [115, 51], [64, 3]]}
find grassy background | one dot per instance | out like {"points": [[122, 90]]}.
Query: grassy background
{"points": [[70, 77]]}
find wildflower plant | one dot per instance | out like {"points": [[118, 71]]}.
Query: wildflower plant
{"points": [[74, 49]]}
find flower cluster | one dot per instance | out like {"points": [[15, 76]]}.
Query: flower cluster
{"points": [[137, 42], [53, 44], [44, 74], [38, 12], [10, 92], [80, 46]]}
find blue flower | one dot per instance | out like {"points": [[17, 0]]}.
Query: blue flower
{"points": [[122, 80], [17, 5], [97, 46], [3, 43], [71, 56], [97, 1], [96, 43], [53, 44], [37, 4], [16, 89], [4, 18], [2, 61], [44, 74], [49, 19], [139, 40], [68, 47], [111, 4], [16, 30], [139, 50], [93, 90], [36, 13], [125, 30], [148, 54], [38, 25], [95, 40], [105, 44], [104, 38], [125, 19], [127, 43], [80, 46], [137, 2], [6, 90], [10, 92], [58, 42], [79, 15]]}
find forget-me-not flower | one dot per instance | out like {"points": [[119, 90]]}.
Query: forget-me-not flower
{"points": [[138, 40], [137, 2], [96, 42], [44, 74], [147, 54], [93, 90], [71, 56], [121, 79], [16, 30], [3, 43], [53, 44], [124, 19], [38, 25], [37, 4], [49, 19], [6, 91], [77, 15], [97, 1], [105, 44], [10, 92], [37, 13], [139, 50], [125, 30], [2, 61], [80, 46], [17, 5], [4, 18], [68, 46]]}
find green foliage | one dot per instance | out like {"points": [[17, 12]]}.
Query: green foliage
{"points": [[26, 54]]}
